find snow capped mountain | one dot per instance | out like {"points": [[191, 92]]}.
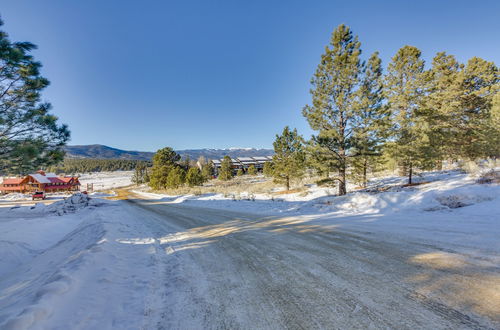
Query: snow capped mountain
{"points": [[105, 152]]}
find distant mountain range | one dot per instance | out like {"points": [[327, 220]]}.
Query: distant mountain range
{"points": [[105, 152]]}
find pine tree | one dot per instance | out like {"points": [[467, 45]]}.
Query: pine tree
{"points": [[164, 160], [371, 122], [207, 171], [252, 170], [240, 172], [268, 169], [405, 90], [442, 106], [333, 95], [176, 177], [481, 82], [289, 157], [226, 171], [159, 175], [194, 177], [492, 131], [140, 174], [30, 136]]}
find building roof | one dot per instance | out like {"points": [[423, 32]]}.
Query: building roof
{"points": [[40, 178], [13, 181], [55, 180]]}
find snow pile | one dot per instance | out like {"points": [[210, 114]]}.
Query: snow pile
{"points": [[63, 272], [16, 197], [69, 205], [49, 275]]}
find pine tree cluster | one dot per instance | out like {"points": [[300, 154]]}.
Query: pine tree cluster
{"points": [[411, 116], [169, 171]]}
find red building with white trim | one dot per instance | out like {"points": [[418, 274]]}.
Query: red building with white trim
{"points": [[40, 181]]}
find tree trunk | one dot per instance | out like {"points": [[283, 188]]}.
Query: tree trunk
{"points": [[365, 165], [342, 181], [410, 172], [287, 183]]}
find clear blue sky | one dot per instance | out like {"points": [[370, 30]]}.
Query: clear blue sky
{"points": [[213, 74]]}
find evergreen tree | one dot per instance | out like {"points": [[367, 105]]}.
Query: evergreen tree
{"points": [[176, 177], [268, 169], [140, 174], [159, 175], [207, 171], [252, 170], [30, 137], [239, 172], [164, 160], [481, 83], [194, 177], [165, 156], [442, 107], [226, 171], [371, 122], [405, 90], [492, 129], [333, 95], [289, 157]]}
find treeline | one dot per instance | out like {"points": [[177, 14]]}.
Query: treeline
{"points": [[413, 116], [85, 165]]}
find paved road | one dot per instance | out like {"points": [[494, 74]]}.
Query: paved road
{"points": [[229, 270]]}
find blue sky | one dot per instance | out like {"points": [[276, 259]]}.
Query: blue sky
{"points": [[141, 75]]}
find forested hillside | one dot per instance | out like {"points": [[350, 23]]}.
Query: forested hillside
{"points": [[84, 165]]}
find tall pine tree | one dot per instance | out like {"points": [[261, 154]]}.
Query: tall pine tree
{"points": [[371, 122], [333, 95], [30, 136], [405, 90]]}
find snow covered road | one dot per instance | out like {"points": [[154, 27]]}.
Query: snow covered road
{"points": [[141, 263], [237, 270]]}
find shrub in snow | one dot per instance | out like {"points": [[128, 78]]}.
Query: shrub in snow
{"points": [[470, 167], [460, 200], [492, 176]]}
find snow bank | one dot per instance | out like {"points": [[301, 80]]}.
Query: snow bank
{"points": [[439, 191], [69, 205], [62, 271]]}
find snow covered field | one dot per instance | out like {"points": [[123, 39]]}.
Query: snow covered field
{"points": [[95, 263], [106, 180]]}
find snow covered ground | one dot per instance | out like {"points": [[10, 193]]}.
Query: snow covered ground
{"points": [[93, 263], [106, 180], [62, 267]]}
